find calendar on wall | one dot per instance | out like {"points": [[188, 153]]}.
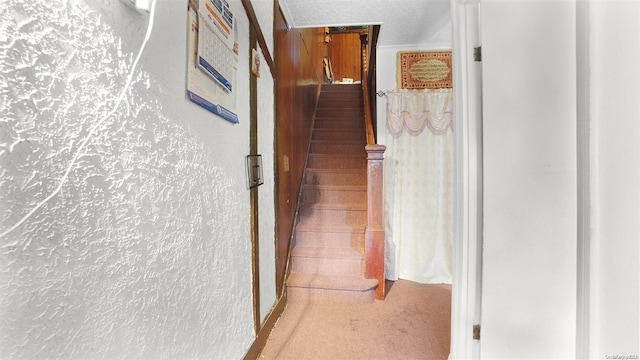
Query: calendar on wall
{"points": [[213, 57]]}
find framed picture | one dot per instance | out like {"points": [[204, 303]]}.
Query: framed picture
{"points": [[424, 70]]}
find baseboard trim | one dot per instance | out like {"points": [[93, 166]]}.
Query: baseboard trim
{"points": [[263, 335]]}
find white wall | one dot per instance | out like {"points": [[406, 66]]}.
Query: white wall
{"points": [[529, 128], [266, 191], [264, 12], [441, 39], [615, 182], [145, 252]]}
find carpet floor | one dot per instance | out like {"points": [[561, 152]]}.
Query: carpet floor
{"points": [[413, 322]]}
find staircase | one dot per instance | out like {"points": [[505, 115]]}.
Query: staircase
{"points": [[327, 259]]}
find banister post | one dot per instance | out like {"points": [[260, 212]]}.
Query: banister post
{"points": [[374, 233]]}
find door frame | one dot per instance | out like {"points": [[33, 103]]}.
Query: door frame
{"points": [[467, 245]]}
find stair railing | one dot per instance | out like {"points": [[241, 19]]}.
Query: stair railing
{"points": [[374, 232]]}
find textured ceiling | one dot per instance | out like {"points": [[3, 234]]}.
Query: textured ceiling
{"points": [[404, 22]]}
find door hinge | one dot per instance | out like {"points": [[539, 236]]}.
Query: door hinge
{"points": [[476, 332], [477, 53]]}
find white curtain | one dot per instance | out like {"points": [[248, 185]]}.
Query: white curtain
{"points": [[418, 175]]}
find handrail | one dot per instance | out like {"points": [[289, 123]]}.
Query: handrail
{"points": [[371, 139]]}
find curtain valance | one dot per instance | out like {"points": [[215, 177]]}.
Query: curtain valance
{"points": [[417, 109]]}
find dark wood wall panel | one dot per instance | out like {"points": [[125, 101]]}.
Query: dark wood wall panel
{"points": [[345, 52], [298, 58]]}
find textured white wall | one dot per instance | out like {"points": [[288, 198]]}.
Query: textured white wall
{"points": [[615, 110], [264, 13], [145, 253], [529, 142]]}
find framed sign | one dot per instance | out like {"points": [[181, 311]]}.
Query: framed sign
{"points": [[424, 70]]}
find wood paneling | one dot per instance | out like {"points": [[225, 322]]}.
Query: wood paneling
{"points": [[298, 58], [344, 49]]}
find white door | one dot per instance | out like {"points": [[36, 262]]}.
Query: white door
{"points": [[529, 167]]}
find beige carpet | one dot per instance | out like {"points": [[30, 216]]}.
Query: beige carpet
{"points": [[413, 322]]}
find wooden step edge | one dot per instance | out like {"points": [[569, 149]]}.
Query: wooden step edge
{"points": [[346, 121], [328, 252], [336, 156], [356, 188], [338, 87], [331, 282], [356, 101], [357, 118], [337, 130], [347, 141], [337, 105], [341, 114], [335, 206], [337, 170], [316, 227]]}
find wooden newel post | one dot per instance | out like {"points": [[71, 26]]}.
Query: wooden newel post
{"points": [[374, 233]]}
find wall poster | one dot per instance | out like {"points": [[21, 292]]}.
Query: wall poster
{"points": [[212, 57]]}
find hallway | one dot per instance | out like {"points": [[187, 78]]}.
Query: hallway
{"points": [[413, 322]]}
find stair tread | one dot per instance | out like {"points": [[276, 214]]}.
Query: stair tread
{"points": [[339, 123], [338, 87], [355, 117], [311, 226], [360, 151], [360, 206], [339, 104], [333, 156], [338, 130], [328, 252], [331, 282], [335, 187], [337, 170], [332, 123], [350, 117], [339, 141], [356, 102]]}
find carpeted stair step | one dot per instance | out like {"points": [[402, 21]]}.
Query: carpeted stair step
{"points": [[337, 147], [330, 122], [327, 261], [335, 177], [335, 214], [337, 161], [336, 88], [341, 102], [351, 113], [347, 289], [320, 235], [339, 135], [328, 194]]}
